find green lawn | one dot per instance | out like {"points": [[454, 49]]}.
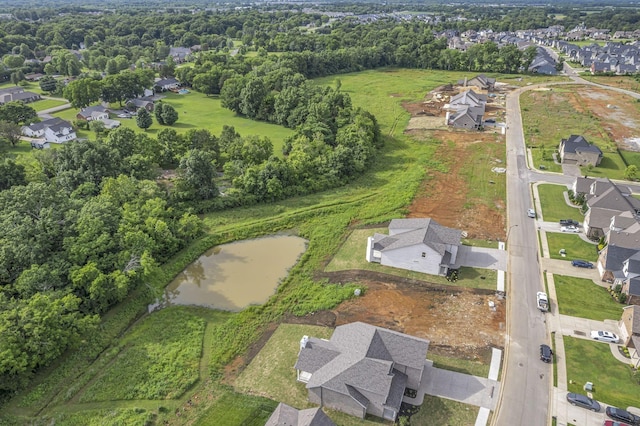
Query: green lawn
{"points": [[271, 372], [352, 256], [236, 409], [444, 412], [539, 163], [152, 365], [579, 297], [590, 361], [554, 206], [575, 247], [198, 111], [46, 104], [632, 158], [475, 368]]}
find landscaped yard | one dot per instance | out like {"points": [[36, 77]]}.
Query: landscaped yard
{"points": [[46, 104], [574, 246], [579, 297], [444, 412], [590, 361], [544, 163], [352, 256], [554, 206]]}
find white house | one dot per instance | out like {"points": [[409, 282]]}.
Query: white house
{"points": [[55, 130], [420, 245], [97, 112]]}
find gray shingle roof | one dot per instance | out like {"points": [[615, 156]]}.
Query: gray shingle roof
{"points": [[635, 319], [285, 415], [634, 286], [577, 143], [616, 257], [418, 231], [628, 237], [48, 123], [366, 359]]}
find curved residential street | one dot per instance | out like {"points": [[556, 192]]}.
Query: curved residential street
{"points": [[528, 396]]}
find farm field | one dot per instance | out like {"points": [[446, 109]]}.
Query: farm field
{"points": [[230, 342], [605, 118]]}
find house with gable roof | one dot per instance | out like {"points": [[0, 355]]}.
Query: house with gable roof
{"points": [[630, 332], [285, 415], [362, 369], [96, 112], [55, 130], [613, 201], [577, 150], [466, 109], [420, 245], [481, 81]]}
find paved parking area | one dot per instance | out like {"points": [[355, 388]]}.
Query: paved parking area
{"points": [[567, 413], [564, 267], [582, 327]]}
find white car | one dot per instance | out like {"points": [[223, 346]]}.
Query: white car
{"points": [[569, 229], [531, 213], [604, 336]]}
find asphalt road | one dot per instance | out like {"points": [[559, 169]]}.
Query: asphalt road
{"points": [[526, 383]]}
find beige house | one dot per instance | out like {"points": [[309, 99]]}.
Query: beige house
{"points": [[630, 332], [577, 150]]}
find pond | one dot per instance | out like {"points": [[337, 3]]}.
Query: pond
{"points": [[236, 275]]}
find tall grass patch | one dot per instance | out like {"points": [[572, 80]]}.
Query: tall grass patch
{"points": [[234, 409], [579, 297], [158, 359]]}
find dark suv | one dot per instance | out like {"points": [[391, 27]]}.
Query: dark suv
{"points": [[546, 354], [568, 222], [622, 415]]}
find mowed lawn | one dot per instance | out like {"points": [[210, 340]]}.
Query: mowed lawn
{"points": [[574, 246], [237, 409], [591, 361], [554, 206], [351, 255], [271, 372], [197, 111], [579, 297], [46, 104]]}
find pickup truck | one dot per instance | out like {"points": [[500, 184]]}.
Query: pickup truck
{"points": [[543, 302], [569, 222]]}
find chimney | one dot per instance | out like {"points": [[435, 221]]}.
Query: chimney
{"points": [[465, 81]]}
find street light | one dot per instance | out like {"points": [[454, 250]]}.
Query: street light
{"points": [[508, 232]]}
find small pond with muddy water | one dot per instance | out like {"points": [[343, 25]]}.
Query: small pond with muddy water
{"points": [[236, 275]]}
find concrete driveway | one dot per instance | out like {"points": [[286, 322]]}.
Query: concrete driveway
{"points": [[479, 257], [582, 327], [567, 413], [564, 267]]}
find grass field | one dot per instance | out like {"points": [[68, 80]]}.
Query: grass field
{"points": [[632, 158], [352, 256], [271, 372], [475, 368], [197, 111], [579, 297], [444, 412], [590, 361], [554, 206], [575, 247], [539, 163], [237, 409], [46, 104]]}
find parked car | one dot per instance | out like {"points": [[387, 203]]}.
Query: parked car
{"points": [[546, 354], [124, 115], [622, 415], [583, 401], [490, 120], [569, 229], [581, 264], [531, 213], [614, 423], [604, 336], [569, 222]]}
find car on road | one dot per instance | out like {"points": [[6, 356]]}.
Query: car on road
{"points": [[583, 401], [622, 416], [614, 423], [531, 213], [124, 115], [604, 336], [569, 229], [569, 222], [546, 354], [581, 264]]}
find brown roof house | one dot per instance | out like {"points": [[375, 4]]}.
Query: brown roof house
{"points": [[362, 369], [420, 245], [285, 415], [630, 332], [577, 150]]}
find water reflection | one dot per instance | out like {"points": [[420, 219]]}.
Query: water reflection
{"points": [[234, 276]]}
